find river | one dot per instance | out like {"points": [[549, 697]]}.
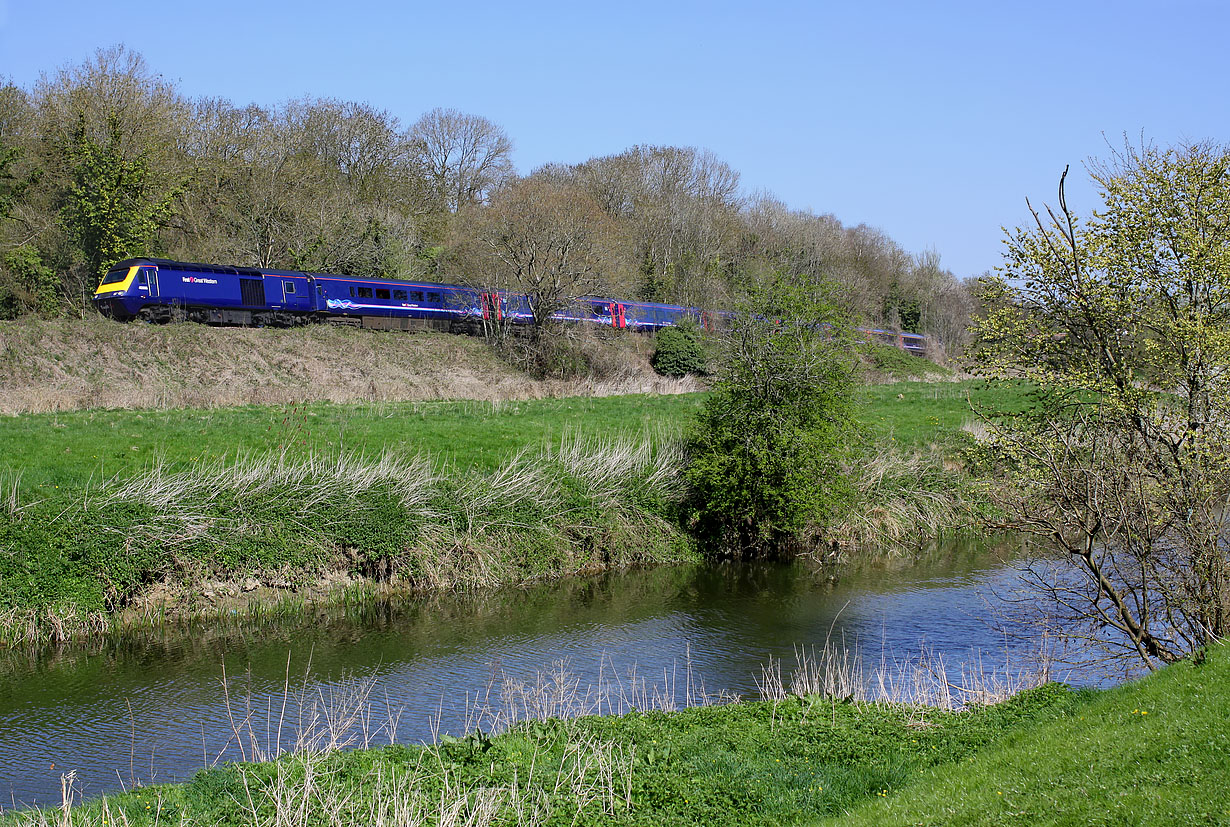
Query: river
{"points": [[153, 707]]}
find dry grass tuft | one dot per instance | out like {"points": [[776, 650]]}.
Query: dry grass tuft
{"points": [[918, 682], [905, 498]]}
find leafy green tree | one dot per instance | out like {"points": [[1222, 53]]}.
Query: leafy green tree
{"points": [[10, 186], [27, 285], [763, 455], [110, 211], [1122, 322]]}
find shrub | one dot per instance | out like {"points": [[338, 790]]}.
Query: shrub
{"points": [[898, 364], [678, 352], [764, 454]]}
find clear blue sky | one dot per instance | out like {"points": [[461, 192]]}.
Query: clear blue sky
{"points": [[930, 120]]}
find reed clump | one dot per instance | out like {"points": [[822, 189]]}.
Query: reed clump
{"points": [[185, 539], [908, 496]]}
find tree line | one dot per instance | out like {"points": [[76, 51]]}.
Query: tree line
{"points": [[106, 160]]}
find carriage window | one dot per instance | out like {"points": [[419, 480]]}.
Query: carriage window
{"points": [[399, 295], [290, 287], [365, 292], [381, 293], [433, 297], [416, 295], [352, 292]]}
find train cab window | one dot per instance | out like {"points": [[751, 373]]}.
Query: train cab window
{"points": [[416, 295], [115, 276], [141, 277], [352, 291], [601, 309], [382, 293], [290, 287], [399, 295], [433, 298], [365, 292]]}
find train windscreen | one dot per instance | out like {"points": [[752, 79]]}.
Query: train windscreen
{"points": [[115, 276]]}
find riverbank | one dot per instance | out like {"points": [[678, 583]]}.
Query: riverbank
{"points": [[130, 517], [1149, 752]]}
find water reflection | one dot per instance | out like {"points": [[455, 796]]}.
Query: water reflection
{"points": [[151, 706]]}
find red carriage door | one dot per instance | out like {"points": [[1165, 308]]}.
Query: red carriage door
{"points": [[492, 310]]}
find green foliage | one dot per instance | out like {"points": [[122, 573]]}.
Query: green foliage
{"points": [[58, 555], [27, 285], [110, 210], [899, 364], [764, 454], [678, 352], [12, 186]]}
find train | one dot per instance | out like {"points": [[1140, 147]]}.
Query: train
{"points": [[160, 290]]}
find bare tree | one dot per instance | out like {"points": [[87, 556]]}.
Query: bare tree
{"points": [[540, 240], [680, 210], [1122, 324], [465, 156]]}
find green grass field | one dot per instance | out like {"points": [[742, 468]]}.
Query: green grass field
{"points": [[69, 449], [1153, 752], [929, 412]]}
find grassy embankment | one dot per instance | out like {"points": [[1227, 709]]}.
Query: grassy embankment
{"points": [[1156, 751], [142, 514], [74, 364]]}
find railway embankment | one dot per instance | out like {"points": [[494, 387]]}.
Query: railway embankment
{"points": [[73, 364]]}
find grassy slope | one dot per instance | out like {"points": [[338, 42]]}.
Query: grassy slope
{"points": [[69, 448], [1151, 752], [70, 364], [749, 763], [1156, 751]]}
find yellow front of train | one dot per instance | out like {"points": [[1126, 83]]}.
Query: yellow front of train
{"points": [[123, 291]]}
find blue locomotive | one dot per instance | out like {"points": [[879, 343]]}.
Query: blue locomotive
{"points": [[160, 290]]}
